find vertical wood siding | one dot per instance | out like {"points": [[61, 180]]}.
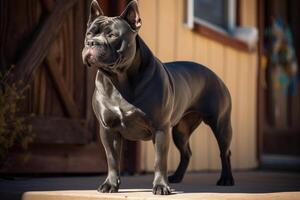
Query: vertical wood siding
{"points": [[164, 31]]}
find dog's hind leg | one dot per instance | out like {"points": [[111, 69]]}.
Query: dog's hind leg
{"points": [[181, 142], [181, 134], [223, 133]]}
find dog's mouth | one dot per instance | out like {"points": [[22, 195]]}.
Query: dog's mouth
{"points": [[116, 63], [92, 60]]}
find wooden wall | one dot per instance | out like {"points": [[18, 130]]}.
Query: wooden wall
{"points": [[165, 33], [43, 39]]}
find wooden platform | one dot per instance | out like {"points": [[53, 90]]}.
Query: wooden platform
{"points": [[249, 185], [146, 194]]}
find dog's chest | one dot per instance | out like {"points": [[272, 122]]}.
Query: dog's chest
{"points": [[116, 113]]}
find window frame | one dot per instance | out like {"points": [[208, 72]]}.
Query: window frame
{"points": [[231, 18], [215, 32]]}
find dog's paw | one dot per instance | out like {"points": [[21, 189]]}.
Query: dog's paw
{"points": [[174, 179], [161, 190], [106, 187], [226, 181]]}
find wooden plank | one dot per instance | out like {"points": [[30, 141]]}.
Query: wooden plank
{"points": [[184, 38], [201, 50], [35, 88], [244, 14], [149, 156], [166, 30], [59, 158], [48, 5], [216, 58], [37, 51], [42, 90], [199, 147], [89, 87], [249, 13], [253, 67], [104, 5], [294, 112], [243, 112], [231, 73], [54, 104], [149, 29], [68, 51], [61, 86], [4, 19], [53, 130], [260, 109], [79, 81], [216, 63], [87, 192]]}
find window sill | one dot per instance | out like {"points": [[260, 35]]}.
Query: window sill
{"points": [[222, 38]]}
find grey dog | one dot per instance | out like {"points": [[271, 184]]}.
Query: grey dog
{"points": [[137, 97]]}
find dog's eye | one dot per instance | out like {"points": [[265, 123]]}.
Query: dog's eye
{"points": [[95, 30], [112, 35], [89, 34]]}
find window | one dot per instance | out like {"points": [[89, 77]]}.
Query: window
{"points": [[217, 20], [217, 14]]}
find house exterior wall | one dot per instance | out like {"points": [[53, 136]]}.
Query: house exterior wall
{"points": [[165, 33]]}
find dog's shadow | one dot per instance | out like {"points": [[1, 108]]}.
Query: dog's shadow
{"points": [[173, 192], [134, 190], [212, 188]]}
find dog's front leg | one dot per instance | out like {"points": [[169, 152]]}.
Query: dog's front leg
{"points": [[161, 145], [112, 142]]}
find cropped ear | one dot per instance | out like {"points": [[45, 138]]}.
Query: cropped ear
{"points": [[132, 16], [95, 11]]}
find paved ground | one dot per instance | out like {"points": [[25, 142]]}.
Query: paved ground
{"points": [[249, 185]]}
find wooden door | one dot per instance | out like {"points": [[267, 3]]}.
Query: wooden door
{"points": [[43, 39], [279, 116]]}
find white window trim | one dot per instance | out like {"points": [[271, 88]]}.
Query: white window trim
{"points": [[191, 19], [231, 15], [190, 14]]}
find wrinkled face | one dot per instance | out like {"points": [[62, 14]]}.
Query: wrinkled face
{"points": [[110, 41]]}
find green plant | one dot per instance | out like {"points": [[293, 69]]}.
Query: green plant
{"points": [[14, 128]]}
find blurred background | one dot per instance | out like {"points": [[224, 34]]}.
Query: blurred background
{"points": [[46, 120]]}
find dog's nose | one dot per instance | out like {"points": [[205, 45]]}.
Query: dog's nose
{"points": [[92, 43]]}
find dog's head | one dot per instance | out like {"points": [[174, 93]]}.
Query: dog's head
{"points": [[110, 41]]}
